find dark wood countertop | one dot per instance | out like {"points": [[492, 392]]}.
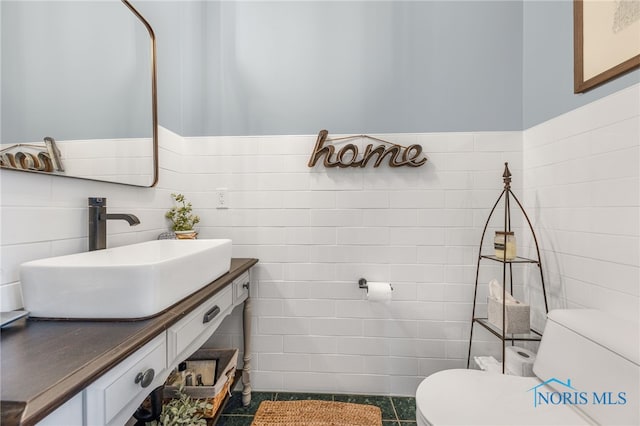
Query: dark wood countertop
{"points": [[45, 363]]}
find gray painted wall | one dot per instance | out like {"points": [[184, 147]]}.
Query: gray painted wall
{"points": [[548, 64], [350, 66], [252, 68], [180, 29]]}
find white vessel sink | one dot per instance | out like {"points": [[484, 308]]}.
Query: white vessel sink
{"points": [[134, 281]]}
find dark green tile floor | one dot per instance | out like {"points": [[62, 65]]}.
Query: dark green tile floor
{"points": [[396, 410]]}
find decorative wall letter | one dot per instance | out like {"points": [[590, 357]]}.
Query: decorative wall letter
{"points": [[348, 155]]}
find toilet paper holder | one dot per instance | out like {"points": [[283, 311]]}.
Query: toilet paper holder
{"points": [[362, 283]]}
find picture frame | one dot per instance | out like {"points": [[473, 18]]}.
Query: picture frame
{"points": [[606, 41]]}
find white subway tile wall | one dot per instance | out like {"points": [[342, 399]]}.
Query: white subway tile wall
{"points": [[317, 231], [582, 192]]}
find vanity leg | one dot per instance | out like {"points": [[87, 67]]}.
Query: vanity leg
{"points": [[246, 369]]}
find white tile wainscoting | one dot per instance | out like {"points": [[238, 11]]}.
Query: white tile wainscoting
{"points": [[316, 231], [582, 191]]}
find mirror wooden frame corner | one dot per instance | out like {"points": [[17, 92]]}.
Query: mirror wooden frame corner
{"points": [[154, 90]]}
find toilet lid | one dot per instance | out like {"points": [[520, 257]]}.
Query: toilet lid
{"points": [[474, 397]]}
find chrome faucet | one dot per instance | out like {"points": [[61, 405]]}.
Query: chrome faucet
{"points": [[98, 222]]}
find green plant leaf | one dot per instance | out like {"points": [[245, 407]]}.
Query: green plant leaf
{"points": [[181, 215]]}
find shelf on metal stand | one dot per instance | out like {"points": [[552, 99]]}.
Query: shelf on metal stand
{"points": [[533, 335]]}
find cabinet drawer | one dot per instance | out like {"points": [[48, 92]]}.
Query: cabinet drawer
{"points": [[194, 329], [241, 288], [117, 394]]}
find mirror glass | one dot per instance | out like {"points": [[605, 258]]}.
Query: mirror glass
{"points": [[81, 74]]}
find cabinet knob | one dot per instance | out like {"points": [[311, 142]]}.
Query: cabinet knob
{"points": [[246, 285], [145, 378]]}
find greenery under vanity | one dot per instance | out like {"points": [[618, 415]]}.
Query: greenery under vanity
{"points": [[85, 372]]}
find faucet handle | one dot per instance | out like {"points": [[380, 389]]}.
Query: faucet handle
{"points": [[97, 202]]}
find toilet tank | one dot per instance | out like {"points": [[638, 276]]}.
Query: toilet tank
{"points": [[592, 361]]}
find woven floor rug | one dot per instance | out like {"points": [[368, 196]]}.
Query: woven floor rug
{"points": [[316, 413]]}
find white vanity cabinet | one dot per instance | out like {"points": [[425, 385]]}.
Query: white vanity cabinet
{"points": [[191, 332], [188, 334], [241, 288], [114, 397], [111, 397], [71, 413]]}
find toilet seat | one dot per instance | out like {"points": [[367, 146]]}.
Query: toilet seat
{"points": [[482, 398]]}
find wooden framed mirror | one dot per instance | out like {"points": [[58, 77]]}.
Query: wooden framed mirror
{"points": [[83, 75]]}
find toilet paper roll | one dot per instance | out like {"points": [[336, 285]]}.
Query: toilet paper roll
{"points": [[519, 361], [378, 292]]}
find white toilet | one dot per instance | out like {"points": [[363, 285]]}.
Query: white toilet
{"points": [[587, 372]]}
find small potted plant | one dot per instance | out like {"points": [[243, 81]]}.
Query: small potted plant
{"points": [[182, 218]]}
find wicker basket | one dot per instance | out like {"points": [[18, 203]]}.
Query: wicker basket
{"points": [[227, 360]]}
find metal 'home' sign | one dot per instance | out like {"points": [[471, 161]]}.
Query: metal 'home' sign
{"points": [[349, 155]]}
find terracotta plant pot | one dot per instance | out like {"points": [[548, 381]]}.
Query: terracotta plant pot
{"points": [[186, 235]]}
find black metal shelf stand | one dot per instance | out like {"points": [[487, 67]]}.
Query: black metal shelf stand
{"points": [[533, 335]]}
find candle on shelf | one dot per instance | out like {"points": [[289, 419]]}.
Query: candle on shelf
{"points": [[504, 240]]}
